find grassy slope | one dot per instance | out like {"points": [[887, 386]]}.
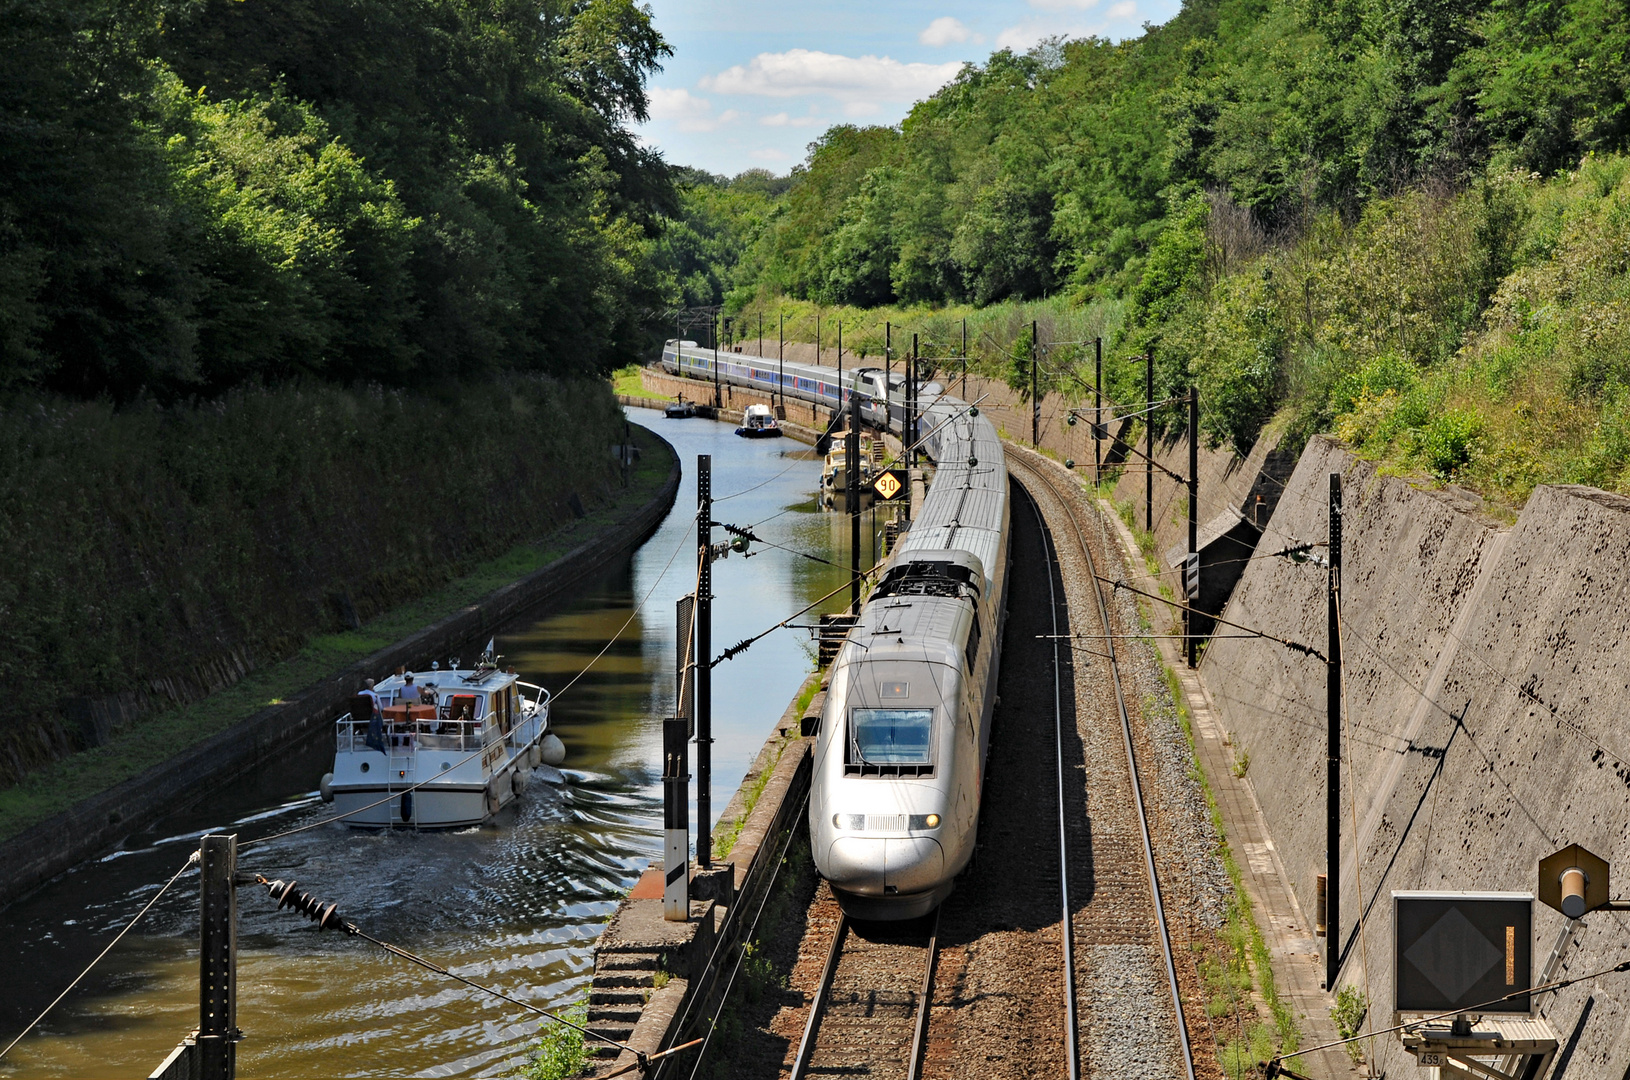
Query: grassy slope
{"points": [[57, 787]]}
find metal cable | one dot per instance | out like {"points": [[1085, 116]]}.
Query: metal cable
{"points": [[109, 948], [713, 1023]]}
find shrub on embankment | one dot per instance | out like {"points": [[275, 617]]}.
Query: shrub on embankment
{"points": [[1476, 334], [154, 553]]}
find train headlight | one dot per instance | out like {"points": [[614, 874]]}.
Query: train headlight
{"points": [[932, 821], [924, 821]]}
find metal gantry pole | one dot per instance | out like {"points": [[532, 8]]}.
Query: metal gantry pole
{"points": [[718, 398], [840, 363], [1332, 824], [888, 368], [1194, 524], [217, 958], [1149, 440], [704, 656], [1098, 412], [1035, 405], [781, 358], [851, 455], [964, 359]]}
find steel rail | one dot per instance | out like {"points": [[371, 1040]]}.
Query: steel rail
{"points": [[806, 1047], [1065, 498], [919, 1035], [823, 993], [1072, 1036]]}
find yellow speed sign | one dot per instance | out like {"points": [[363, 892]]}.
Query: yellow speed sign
{"points": [[890, 484]]}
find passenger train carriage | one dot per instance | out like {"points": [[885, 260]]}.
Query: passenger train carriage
{"points": [[900, 757], [882, 393]]}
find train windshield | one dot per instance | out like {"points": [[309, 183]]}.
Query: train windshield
{"points": [[891, 736]]}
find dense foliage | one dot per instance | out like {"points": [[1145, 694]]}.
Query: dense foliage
{"points": [[199, 193], [1059, 168], [1393, 219], [158, 552]]}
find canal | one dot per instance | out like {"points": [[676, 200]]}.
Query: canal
{"points": [[516, 904]]}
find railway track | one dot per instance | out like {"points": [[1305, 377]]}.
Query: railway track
{"points": [[1105, 920], [870, 1014]]}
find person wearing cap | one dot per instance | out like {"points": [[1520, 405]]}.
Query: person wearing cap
{"points": [[376, 721], [410, 698]]}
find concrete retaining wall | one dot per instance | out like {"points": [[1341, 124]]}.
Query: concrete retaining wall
{"points": [[1486, 668], [101, 821], [705, 949]]}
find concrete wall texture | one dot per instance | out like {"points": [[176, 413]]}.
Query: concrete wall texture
{"points": [[1485, 666]]}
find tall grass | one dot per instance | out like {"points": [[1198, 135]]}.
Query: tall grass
{"points": [[155, 554]]}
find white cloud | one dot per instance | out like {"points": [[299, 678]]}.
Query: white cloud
{"points": [[860, 108], [687, 111], [947, 31], [1063, 5], [1022, 36], [847, 78], [782, 119], [768, 153], [1124, 10]]}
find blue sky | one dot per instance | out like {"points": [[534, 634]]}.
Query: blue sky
{"points": [[751, 84]]}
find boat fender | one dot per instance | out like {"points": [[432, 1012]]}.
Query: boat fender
{"points": [[407, 806], [493, 801], [554, 751], [518, 779], [325, 787], [534, 755]]}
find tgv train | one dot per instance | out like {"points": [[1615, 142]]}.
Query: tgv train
{"points": [[900, 756], [882, 393]]}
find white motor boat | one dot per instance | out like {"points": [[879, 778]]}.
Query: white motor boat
{"points": [[758, 422], [448, 749]]}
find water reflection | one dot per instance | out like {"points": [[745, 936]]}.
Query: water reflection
{"points": [[517, 906]]}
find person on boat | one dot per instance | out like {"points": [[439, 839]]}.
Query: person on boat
{"points": [[367, 701]]}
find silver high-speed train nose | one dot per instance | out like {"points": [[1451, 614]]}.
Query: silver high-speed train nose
{"points": [[887, 877], [884, 866]]}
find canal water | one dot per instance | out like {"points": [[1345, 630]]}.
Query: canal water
{"points": [[515, 905]]}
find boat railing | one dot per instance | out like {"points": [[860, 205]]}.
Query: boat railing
{"points": [[539, 694], [420, 735]]}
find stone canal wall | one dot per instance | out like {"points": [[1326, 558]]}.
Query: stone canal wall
{"points": [[692, 960], [40, 853], [1486, 674]]}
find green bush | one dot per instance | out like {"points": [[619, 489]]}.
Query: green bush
{"points": [[560, 1052], [1446, 444]]}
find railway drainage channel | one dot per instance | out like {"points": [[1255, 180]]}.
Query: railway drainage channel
{"points": [[845, 1000]]}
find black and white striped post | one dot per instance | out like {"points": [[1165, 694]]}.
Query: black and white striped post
{"points": [[676, 820]]}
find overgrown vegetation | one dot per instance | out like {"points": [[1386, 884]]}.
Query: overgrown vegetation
{"points": [[162, 552], [1403, 223], [560, 1052], [196, 194], [1348, 1015], [153, 733]]}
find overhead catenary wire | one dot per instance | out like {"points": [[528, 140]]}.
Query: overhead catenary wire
{"points": [[32, 1024], [752, 930], [301, 903]]}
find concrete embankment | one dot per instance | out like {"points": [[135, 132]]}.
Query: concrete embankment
{"points": [[1485, 667], [102, 820], [653, 978]]}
